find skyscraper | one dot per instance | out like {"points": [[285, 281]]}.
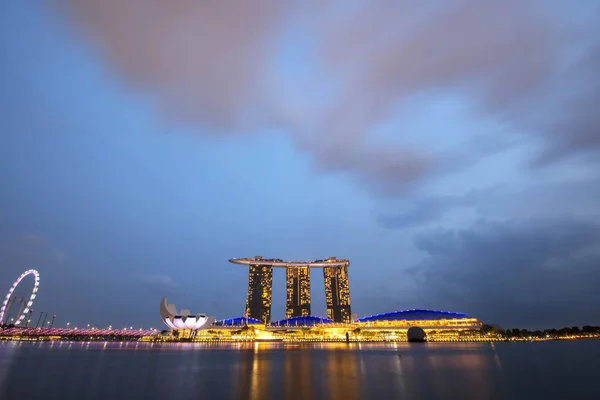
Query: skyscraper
{"points": [[260, 283], [298, 291], [337, 293], [297, 274]]}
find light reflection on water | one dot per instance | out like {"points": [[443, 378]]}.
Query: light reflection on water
{"points": [[259, 371]]}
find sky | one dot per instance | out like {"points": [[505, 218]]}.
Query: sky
{"points": [[449, 150]]}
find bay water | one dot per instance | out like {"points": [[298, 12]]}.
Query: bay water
{"points": [[128, 370]]}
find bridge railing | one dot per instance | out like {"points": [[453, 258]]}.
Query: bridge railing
{"points": [[75, 332]]}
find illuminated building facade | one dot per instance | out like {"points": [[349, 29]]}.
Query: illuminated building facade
{"points": [[337, 293], [183, 319], [258, 301], [427, 319], [337, 290], [308, 320], [298, 291]]}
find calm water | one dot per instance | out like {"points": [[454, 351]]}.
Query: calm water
{"points": [[547, 370]]}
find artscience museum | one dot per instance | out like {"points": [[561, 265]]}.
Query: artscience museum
{"points": [[184, 318]]}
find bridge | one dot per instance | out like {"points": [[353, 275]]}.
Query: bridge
{"points": [[75, 333]]}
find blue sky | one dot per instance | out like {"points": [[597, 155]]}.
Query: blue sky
{"points": [[450, 152]]}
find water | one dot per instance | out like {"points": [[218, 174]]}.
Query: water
{"points": [[61, 370]]}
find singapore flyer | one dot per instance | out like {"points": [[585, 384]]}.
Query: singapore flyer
{"points": [[7, 300]]}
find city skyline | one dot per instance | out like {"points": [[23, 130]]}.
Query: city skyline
{"points": [[449, 149]]}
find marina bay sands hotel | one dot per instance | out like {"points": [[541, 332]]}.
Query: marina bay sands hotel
{"points": [[297, 277]]}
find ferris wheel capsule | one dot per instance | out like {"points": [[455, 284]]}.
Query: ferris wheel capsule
{"points": [[24, 312]]}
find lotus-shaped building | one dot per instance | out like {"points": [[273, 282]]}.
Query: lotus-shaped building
{"points": [[183, 319]]}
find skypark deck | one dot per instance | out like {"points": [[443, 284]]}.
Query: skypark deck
{"points": [[277, 263]]}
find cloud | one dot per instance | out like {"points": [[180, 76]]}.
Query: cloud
{"points": [[532, 273], [503, 50], [521, 64], [160, 285], [575, 130], [214, 64], [425, 210], [204, 60], [578, 196]]}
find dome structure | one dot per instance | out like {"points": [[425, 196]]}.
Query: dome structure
{"points": [[183, 319], [413, 315], [308, 320], [238, 321]]}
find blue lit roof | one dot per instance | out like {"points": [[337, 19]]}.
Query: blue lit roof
{"points": [[308, 320], [413, 315], [238, 321]]}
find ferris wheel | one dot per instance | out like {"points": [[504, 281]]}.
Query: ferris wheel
{"points": [[26, 306]]}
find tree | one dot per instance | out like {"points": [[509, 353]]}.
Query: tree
{"points": [[485, 329], [590, 329]]}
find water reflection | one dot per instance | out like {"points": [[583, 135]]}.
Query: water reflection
{"points": [[251, 379], [8, 352], [298, 381], [467, 368], [342, 378], [278, 371]]}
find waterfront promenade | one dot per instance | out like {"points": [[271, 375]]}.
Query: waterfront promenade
{"points": [[253, 334]]}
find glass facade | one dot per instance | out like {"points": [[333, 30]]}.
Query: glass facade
{"points": [[258, 302], [298, 291], [337, 294]]}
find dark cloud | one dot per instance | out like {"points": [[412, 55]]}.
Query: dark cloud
{"points": [[532, 273], [544, 200], [421, 212]]}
